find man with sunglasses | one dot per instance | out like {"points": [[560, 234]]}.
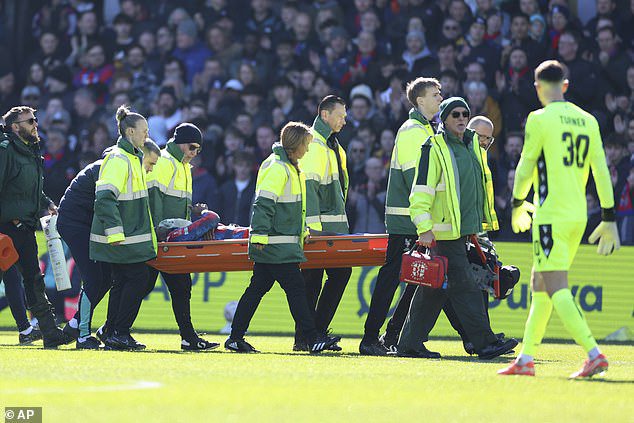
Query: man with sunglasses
{"points": [[21, 200], [450, 201], [170, 193]]}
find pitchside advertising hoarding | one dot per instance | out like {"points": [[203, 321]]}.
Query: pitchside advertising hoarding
{"points": [[602, 287]]}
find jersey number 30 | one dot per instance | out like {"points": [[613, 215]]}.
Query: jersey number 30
{"points": [[577, 149]]}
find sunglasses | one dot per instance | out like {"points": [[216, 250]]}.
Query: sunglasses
{"points": [[456, 115], [194, 148], [31, 121], [450, 28], [358, 150]]}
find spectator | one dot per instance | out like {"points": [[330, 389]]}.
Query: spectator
{"points": [[86, 113], [233, 142], [8, 95], [144, 81], [204, 185], [482, 104], [508, 158], [49, 54], [612, 61], [235, 197], [263, 22], [356, 154], [221, 46], [264, 140], [367, 201], [477, 49], [167, 116], [285, 108], [95, 72], [625, 209], [189, 49], [417, 55], [60, 166], [520, 24]]}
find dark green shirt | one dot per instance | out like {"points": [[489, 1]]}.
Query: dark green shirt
{"points": [[470, 183]]}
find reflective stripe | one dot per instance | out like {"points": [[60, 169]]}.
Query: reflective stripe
{"points": [[424, 189], [409, 165], [115, 230], [399, 211], [421, 218], [132, 196], [108, 187], [172, 192], [328, 218], [442, 227], [326, 180], [283, 239], [292, 198], [266, 194], [136, 239], [312, 219], [441, 187]]}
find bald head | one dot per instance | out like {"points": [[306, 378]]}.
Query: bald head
{"points": [[482, 126]]}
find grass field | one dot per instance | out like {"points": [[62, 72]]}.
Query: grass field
{"points": [[164, 385]]}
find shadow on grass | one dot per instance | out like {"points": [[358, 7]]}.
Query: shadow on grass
{"points": [[604, 380]]}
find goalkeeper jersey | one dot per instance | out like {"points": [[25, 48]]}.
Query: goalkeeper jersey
{"points": [[562, 143]]}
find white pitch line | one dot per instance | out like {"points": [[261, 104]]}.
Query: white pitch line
{"points": [[142, 384]]}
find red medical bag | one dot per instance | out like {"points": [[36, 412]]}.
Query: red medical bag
{"points": [[419, 267]]}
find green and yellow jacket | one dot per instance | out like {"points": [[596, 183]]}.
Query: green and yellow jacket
{"points": [[326, 188], [170, 186], [435, 195], [122, 211], [409, 138], [279, 211]]}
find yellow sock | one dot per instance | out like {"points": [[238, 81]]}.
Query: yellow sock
{"points": [[572, 319], [541, 308]]}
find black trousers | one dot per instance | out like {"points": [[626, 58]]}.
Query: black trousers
{"points": [[465, 297], [96, 276], [387, 282], [180, 288], [324, 302], [14, 292], [264, 276], [32, 279], [128, 289]]}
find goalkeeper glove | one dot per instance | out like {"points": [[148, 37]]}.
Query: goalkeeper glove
{"points": [[520, 217], [607, 234]]}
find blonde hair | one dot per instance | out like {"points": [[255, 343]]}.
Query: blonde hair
{"points": [[293, 134], [126, 119]]}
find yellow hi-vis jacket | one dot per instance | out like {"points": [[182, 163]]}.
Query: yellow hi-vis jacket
{"points": [[122, 212], [279, 211], [170, 186], [326, 189], [434, 200]]}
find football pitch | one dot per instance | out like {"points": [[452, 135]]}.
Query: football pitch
{"points": [[163, 384]]}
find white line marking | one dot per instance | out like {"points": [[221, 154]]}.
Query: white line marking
{"points": [[142, 384]]}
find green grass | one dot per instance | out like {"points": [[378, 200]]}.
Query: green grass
{"points": [[163, 384]]}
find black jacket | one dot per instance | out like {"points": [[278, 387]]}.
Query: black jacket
{"points": [[77, 204], [21, 181]]}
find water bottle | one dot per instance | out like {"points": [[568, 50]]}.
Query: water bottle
{"points": [[56, 252]]}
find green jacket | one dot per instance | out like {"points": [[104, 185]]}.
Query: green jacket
{"points": [[279, 211], [435, 196], [326, 189], [122, 211], [411, 135], [21, 181], [170, 186]]}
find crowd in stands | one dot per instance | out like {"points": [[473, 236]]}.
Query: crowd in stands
{"points": [[241, 69]]}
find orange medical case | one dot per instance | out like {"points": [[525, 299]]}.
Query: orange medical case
{"points": [[8, 254]]}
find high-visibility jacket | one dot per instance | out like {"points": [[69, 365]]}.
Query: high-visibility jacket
{"points": [[279, 211], [170, 186], [326, 189], [409, 138], [434, 200], [122, 211]]}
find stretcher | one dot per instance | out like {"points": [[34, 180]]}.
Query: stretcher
{"points": [[231, 254]]}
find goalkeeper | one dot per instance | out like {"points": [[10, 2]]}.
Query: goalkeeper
{"points": [[562, 143]]}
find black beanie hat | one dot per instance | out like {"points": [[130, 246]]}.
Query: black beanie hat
{"points": [[451, 103], [186, 133]]}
